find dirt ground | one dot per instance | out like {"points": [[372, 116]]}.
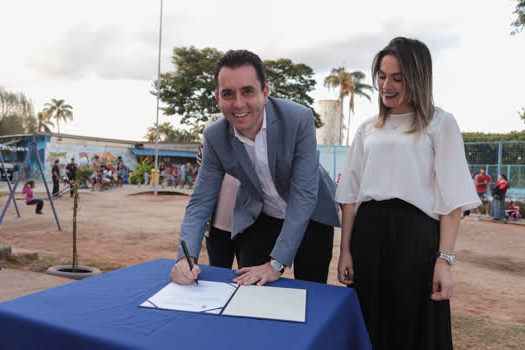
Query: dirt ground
{"points": [[123, 227]]}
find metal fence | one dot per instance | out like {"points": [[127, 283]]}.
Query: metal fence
{"points": [[497, 157]]}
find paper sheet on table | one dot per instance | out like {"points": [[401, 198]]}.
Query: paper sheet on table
{"points": [[286, 304], [207, 296]]}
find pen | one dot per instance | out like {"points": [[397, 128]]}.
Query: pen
{"points": [[187, 255]]}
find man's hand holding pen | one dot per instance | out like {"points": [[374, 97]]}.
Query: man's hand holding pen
{"points": [[181, 273]]}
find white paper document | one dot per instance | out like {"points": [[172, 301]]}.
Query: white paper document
{"points": [[207, 296], [286, 304]]}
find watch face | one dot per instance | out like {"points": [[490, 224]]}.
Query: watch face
{"points": [[277, 265]]}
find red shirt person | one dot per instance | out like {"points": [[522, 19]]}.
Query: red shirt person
{"points": [[482, 181]]}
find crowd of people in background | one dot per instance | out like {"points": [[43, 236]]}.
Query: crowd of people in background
{"points": [[176, 175], [108, 175], [494, 208]]}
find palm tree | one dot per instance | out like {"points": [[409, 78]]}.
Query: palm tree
{"points": [[43, 122], [57, 109], [165, 132], [348, 84]]}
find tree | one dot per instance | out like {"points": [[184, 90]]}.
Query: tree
{"points": [[15, 112], [292, 81], [522, 114], [349, 84], [189, 91], [58, 110], [43, 122], [519, 23]]}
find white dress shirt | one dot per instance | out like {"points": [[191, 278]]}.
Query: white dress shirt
{"points": [[429, 171], [273, 204]]}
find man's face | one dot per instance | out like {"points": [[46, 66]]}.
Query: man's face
{"points": [[482, 171], [72, 160], [241, 99]]}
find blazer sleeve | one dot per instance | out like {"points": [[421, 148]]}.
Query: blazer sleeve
{"points": [[202, 201], [303, 191]]}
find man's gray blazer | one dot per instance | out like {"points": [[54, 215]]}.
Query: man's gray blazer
{"points": [[298, 177]]}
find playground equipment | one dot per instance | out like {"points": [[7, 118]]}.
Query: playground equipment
{"points": [[32, 155]]}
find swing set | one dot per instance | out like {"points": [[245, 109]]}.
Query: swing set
{"points": [[32, 155]]}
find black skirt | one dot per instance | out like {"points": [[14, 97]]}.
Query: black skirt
{"points": [[394, 248]]}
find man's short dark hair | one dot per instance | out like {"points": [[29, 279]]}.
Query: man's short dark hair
{"points": [[56, 161], [239, 58]]}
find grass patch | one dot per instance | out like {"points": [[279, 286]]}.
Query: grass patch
{"points": [[46, 261], [103, 265], [481, 334]]}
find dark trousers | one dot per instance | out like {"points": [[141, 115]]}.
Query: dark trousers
{"points": [[394, 249], [220, 247], [55, 186], [253, 247], [39, 204]]}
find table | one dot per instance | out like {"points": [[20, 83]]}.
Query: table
{"points": [[102, 312]]}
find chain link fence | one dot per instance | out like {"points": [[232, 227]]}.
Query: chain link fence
{"points": [[497, 157]]}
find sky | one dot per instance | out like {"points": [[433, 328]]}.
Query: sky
{"points": [[101, 56]]}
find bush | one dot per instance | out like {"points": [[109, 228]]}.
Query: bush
{"points": [[138, 175]]}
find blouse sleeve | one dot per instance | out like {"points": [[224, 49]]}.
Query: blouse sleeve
{"points": [[350, 181], [454, 187]]}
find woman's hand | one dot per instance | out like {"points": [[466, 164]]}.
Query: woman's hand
{"points": [[345, 267], [442, 284]]}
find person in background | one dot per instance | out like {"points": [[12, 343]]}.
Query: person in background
{"points": [[497, 207], [399, 231], [513, 213], [16, 169], [55, 174], [71, 172], [28, 192], [482, 181]]}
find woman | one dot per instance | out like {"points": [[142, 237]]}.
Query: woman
{"points": [[497, 207], [28, 192], [403, 188]]}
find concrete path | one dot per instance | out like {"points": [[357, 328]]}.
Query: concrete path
{"points": [[17, 283]]}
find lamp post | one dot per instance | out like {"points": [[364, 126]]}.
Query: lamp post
{"points": [[156, 175]]}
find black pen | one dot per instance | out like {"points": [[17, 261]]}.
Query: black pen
{"points": [[187, 255]]}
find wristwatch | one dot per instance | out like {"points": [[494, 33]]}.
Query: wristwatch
{"points": [[451, 259], [277, 266]]}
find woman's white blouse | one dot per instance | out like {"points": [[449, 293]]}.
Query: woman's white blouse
{"points": [[428, 171]]}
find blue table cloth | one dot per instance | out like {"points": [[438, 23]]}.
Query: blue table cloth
{"points": [[102, 313]]}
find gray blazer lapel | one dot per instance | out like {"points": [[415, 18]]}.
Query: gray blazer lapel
{"points": [[272, 137], [244, 160]]}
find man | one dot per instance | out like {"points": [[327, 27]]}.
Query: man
{"points": [[482, 182], [284, 211], [71, 172], [55, 172]]}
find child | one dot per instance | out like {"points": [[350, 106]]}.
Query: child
{"points": [[28, 191], [513, 213]]}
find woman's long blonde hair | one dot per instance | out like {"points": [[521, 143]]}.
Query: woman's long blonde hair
{"points": [[415, 63]]}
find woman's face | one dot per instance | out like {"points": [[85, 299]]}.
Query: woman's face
{"points": [[390, 84], [500, 178]]}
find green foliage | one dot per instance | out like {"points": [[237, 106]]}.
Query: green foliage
{"points": [[16, 111], [349, 84], [521, 114], [493, 137], [189, 91], [519, 23], [138, 175], [12, 125], [167, 133], [292, 81], [58, 110]]}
